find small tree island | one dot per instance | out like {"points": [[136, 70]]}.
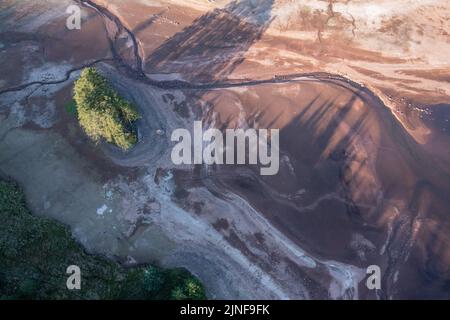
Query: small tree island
{"points": [[102, 113]]}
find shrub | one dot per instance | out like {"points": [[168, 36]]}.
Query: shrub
{"points": [[35, 252], [71, 108], [102, 113], [153, 280], [185, 286]]}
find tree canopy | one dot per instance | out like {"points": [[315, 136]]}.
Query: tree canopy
{"points": [[35, 253], [102, 113]]}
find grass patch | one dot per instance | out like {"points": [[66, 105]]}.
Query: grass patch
{"points": [[35, 253]]}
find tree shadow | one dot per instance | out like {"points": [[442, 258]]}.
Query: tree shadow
{"points": [[215, 43], [318, 150], [147, 23]]}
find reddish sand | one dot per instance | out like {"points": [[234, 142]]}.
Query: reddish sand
{"points": [[364, 175]]}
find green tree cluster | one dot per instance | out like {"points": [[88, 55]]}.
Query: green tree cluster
{"points": [[35, 253], [102, 113]]}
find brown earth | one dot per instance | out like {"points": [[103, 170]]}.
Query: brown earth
{"points": [[364, 174]]}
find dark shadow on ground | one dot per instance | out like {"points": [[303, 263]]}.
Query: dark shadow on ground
{"points": [[214, 44]]}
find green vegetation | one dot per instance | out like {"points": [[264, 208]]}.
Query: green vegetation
{"points": [[35, 253], [71, 108], [102, 113]]}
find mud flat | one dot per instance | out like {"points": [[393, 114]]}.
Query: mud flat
{"points": [[357, 186]]}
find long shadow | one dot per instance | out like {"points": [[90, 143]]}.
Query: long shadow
{"points": [[319, 123], [214, 44], [146, 23]]}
